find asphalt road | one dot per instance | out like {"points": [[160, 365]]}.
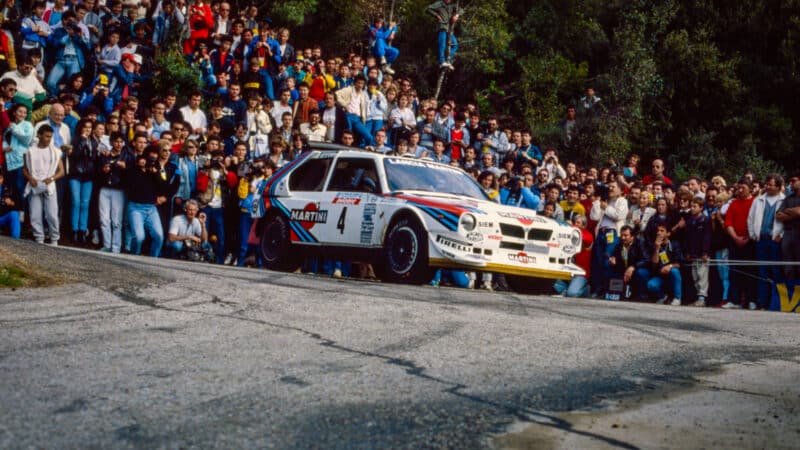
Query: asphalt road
{"points": [[144, 353]]}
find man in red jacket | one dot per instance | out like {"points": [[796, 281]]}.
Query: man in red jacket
{"points": [[742, 280]]}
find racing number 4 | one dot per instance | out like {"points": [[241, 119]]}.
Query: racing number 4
{"points": [[340, 223]]}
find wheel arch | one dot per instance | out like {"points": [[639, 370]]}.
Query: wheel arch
{"points": [[405, 213]]}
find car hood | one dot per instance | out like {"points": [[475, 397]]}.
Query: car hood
{"points": [[459, 205]]}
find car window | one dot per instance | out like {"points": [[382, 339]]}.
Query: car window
{"points": [[405, 174], [310, 176], [355, 175]]}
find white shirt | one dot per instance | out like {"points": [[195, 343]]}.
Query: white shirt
{"points": [[315, 134], [28, 86], [278, 110], [196, 118], [180, 226]]}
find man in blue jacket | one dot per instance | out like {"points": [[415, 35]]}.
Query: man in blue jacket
{"points": [[70, 49]]}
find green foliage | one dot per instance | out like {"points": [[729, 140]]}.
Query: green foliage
{"points": [[292, 12], [176, 73], [545, 82], [12, 277]]}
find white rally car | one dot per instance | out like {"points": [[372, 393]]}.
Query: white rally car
{"points": [[405, 216]]}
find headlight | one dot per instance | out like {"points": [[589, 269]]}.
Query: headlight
{"points": [[575, 240], [468, 222]]}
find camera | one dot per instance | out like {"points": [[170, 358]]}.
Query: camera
{"points": [[515, 183], [602, 192], [203, 160]]}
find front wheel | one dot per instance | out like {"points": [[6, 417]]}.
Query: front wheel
{"points": [[275, 245], [406, 253]]}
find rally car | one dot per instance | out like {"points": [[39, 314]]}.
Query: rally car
{"points": [[405, 216]]}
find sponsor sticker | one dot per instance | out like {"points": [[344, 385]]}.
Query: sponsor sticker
{"points": [[495, 237], [347, 199], [367, 224], [522, 258], [485, 225], [475, 237], [454, 244], [309, 216]]}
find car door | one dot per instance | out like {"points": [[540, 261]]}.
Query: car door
{"points": [[352, 197], [305, 203]]}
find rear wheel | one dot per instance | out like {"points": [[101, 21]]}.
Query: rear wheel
{"points": [[406, 253], [276, 246]]}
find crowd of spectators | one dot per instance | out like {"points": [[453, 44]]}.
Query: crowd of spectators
{"points": [[90, 149]]}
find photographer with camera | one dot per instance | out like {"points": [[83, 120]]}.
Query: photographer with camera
{"points": [[188, 232], [515, 193], [69, 48], [214, 184], [609, 209]]}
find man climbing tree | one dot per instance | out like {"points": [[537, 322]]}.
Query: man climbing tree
{"points": [[447, 13], [380, 38]]}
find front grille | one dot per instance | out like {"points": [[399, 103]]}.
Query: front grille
{"points": [[512, 246], [512, 231], [539, 234]]}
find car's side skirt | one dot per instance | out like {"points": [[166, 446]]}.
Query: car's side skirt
{"points": [[502, 268]]}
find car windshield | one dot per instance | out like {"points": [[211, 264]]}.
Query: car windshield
{"points": [[405, 174]]}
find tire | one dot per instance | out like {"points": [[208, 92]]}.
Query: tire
{"points": [[530, 286], [275, 245], [406, 253]]}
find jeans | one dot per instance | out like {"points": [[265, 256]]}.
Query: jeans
{"points": [[11, 220], [724, 272], [17, 180], [81, 194], [111, 205], [457, 277], [63, 68], [245, 223], [578, 286], [383, 50], [144, 217], [767, 250], [47, 204], [174, 249], [443, 43], [604, 244], [355, 124], [655, 282], [373, 126], [215, 225]]}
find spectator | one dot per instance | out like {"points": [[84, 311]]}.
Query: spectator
{"points": [[743, 248], [43, 167], [354, 100], [447, 15], [187, 230], [578, 286], [628, 257], [9, 208], [111, 202], [666, 258], [789, 215], [698, 248], [610, 213], [767, 233], [380, 37], [142, 193], [657, 174], [19, 136], [80, 175]]}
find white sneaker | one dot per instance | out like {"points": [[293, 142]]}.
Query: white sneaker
{"points": [[752, 306], [676, 302], [53, 243], [729, 305], [447, 65], [486, 285], [662, 300], [471, 284], [387, 69], [337, 273], [228, 259], [95, 237], [700, 302]]}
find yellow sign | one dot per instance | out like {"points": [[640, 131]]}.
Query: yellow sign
{"points": [[786, 304]]}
